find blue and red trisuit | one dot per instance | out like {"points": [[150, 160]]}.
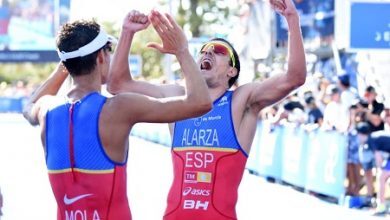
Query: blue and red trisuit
{"points": [[208, 166], [86, 183]]}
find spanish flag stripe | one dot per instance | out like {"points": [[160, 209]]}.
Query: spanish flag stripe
{"points": [[205, 149], [81, 171]]}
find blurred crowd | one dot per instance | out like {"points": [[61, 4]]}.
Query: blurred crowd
{"points": [[17, 89], [337, 106]]}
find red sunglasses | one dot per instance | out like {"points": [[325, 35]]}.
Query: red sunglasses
{"points": [[219, 48]]}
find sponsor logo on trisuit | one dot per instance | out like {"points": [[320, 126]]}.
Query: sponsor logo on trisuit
{"points": [[69, 201]]}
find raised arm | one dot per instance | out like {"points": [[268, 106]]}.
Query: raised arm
{"points": [[196, 100], [275, 88], [175, 42], [120, 79], [31, 111]]}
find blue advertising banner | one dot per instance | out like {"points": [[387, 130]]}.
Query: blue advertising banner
{"points": [[253, 160], [270, 151], [294, 144], [8, 104], [326, 165], [370, 25], [28, 29]]}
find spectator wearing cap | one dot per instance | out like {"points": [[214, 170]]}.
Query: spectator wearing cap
{"points": [[336, 117], [348, 93], [379, 142]]}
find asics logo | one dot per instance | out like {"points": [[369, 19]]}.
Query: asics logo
{"points": [[196, 192], [69, 201], [186, 191]]}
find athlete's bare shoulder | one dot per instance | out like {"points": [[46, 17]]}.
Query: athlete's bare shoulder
{"points": [[241, 93]]}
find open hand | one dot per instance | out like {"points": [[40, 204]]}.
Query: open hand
{"points": [[172, 36]]}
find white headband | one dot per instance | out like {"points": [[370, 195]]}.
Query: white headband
{"points": [[100, 40]]}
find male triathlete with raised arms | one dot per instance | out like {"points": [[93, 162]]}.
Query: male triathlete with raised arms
{"points": [[209, 152]]}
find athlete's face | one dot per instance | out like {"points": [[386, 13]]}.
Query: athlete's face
{"points": [[216, 60]]}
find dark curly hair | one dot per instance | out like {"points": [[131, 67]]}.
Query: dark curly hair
{"points": [[71, 37]]}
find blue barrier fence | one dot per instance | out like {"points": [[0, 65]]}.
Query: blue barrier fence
{"points": [[8, 104], [315, 161]]}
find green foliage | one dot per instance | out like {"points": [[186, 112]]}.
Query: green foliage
{"points": [[151, 58], [200, 18], [35, 73], [26, 72], [203, 14]]}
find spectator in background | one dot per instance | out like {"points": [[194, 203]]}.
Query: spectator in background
{"points": [[379, 142], [369, 111], [335, 115], [348, 93], [268, 113], [315, 115], [321, 95], [374, 110], [291, 111], [353, 162]]}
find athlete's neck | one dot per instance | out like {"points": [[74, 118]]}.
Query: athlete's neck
{"points": [[217, 92], [84, 85]]}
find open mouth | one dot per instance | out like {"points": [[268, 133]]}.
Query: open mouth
{"points": [[206, 65]]}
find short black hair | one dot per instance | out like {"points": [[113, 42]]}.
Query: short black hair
{"points": [[71, 37], [236, 58], [344, 80], [370, 89], [309, 100], [363, 103]]}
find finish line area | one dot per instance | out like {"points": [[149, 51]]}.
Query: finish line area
{"points": [[27, 193]]}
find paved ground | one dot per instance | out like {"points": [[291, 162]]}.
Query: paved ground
{"points": [[27, 193]]}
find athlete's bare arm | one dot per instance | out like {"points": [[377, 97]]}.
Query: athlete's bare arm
{"points": [[261, 94], [195, 100], [273, 89], [120, 79], [124, 110], [175, 42], [249, 99], [32, 110]]}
